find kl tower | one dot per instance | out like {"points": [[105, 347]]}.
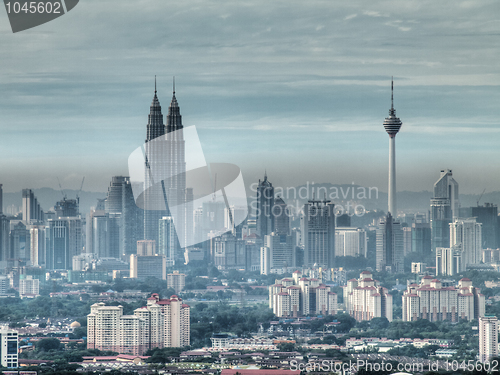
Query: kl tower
{"points": [[392, 124]]}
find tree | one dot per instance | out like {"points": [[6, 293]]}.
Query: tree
{"points": [[379, 323], [286, 347], [48, 344]]}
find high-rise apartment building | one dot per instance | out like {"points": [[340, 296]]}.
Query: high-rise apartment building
{"points": [[444, 208], [37, 244], [301, 297], [488, 338], [466, 233], [365, 299], [318, 233], [389, 245], [8, 348], [350, 241], [162, 323], [433, 301]]}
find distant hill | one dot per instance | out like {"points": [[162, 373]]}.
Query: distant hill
{"points": [[340, 194], [47, 197]]}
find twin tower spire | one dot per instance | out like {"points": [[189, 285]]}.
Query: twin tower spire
{"points": [[156, 127]]}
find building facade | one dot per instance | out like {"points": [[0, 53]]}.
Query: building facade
{"points": [[176, 281], [466, 233], [350, 242], [389, 245], [162, 323], [301, 296], [433, 301], [265, 204], [365, 299], [8, 348], [318, 233], [488, 338], [444, 207]]}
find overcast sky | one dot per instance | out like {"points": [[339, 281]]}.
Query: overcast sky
{"points": [[298, 88]]}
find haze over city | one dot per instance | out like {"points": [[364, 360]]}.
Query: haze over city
{"points": [[298, 89]]}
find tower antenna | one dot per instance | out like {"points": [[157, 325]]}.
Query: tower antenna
{"points": [[155, 84], [174, 84], [392, 92]]}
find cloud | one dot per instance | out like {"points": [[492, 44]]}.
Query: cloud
{"points": [[82, 84]]}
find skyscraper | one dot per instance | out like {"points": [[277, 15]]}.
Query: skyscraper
{"points": [[350, 242], [318, 233], [444, 207], [265, 203], [390, 252], [165, 179], [64, 241], [4, 235], [392, 124], [281, 250], [281, 216], [32, 212], [167, 240], [123, 214], [466, 233], [155, 165], [487, 215]]}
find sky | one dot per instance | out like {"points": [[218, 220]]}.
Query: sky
{"points": [[299, 89]]}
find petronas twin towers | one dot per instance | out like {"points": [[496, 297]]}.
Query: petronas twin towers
{"points": [[165, 173]]}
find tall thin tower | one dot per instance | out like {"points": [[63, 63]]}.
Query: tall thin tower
{"points": [[392, 124]]}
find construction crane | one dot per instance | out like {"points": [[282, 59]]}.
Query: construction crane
{"points": [[60, 187], [480, 197], [79, 191]]}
